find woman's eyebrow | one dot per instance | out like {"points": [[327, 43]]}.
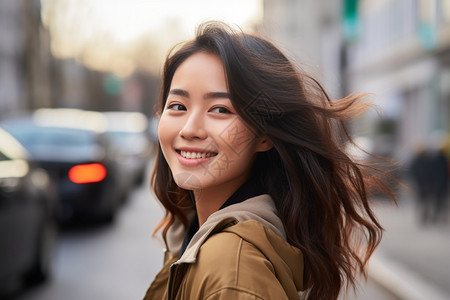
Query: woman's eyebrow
{"points": [[179, 92], [210, 95], [213, 95]]}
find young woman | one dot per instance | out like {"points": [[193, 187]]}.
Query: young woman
{"points": [[261, 200]]}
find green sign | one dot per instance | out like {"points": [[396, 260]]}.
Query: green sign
{"points": [[112, 84], [350, 20]]}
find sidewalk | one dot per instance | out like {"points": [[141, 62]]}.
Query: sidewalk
{"points": [[412, 261]]}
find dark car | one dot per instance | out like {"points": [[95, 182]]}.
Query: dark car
{"points": [[129, 145], [66, 144], [27, 217]]}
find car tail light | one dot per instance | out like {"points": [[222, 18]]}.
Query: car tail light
{"points": [[87, 173]]}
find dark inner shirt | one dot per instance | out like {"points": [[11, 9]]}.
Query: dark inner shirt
{"points": [[249, 189]]}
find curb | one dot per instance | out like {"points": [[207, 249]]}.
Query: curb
{"points": [[401, 281]]}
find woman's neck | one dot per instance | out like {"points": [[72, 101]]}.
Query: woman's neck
{"points": [[209, 200]]}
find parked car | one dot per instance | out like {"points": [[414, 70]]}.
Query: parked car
{"points": [[129, 145], [28, 225], [70, 145]]}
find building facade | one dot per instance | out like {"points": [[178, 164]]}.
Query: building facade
{"points": [[11, 84], [308, 32], [31, 77], [403, 56], [400, 54]]}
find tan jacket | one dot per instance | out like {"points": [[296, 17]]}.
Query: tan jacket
{"points": [[240, 252]]}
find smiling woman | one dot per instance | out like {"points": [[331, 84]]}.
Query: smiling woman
{"points": [[197, 133], [261, 199]]}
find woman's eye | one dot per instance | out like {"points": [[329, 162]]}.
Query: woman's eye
{"points": [[220, 110], [176, 106]]}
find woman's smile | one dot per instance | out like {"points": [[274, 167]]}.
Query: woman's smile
{"points": [[192, 158], [195, 154]]}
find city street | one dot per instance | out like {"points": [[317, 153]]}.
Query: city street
{"points": [[118, 262], [107, 262], [69, 71], [413, 260]]}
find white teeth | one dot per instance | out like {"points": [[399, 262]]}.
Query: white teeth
{"points": [[193, 155]]}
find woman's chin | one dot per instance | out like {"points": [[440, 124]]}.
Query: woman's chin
{"points": [[188, 181]]}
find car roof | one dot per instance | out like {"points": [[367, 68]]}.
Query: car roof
{"points": [[11, 147]]}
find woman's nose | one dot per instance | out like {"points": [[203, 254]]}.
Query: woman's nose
{"points": [[194, 127]]}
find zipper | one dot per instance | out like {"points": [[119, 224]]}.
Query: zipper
{"points": [[176, 276]]}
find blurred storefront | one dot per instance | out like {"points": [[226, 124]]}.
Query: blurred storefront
{"points": [[309, 32], [398, 50], [402, 54], [31, 77], [11, 44]]}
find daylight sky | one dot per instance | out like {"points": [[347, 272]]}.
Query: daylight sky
{"points": [[122, 35]]}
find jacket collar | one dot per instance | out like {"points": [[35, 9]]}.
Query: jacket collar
{"points": [[260, 208]]}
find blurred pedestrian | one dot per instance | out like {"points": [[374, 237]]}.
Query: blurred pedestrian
{"points": [[420, 172], [261, 200], [439, 185], [429, 170]]}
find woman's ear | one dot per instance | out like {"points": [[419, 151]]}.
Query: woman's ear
{"points": [[263, 144]]}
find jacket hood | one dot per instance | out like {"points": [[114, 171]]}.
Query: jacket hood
{"points": [[255, 220]]}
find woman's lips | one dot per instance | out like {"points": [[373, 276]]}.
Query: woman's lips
{"points": [[195, 154], [194, 158]]}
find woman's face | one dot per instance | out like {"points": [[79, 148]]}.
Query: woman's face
{"points": [[204, 141]]}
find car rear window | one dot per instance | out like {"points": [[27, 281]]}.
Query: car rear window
{"points": [[32, 137]]}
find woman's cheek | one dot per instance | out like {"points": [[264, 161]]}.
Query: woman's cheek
{"points": [[165, 132], [237, 136]]}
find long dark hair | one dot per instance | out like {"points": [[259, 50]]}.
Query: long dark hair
{"points": [[322, 194]]}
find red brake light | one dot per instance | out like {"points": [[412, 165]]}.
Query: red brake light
{"points": [[87, 173]]}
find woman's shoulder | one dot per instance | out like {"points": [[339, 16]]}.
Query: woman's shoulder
{"points": [[228, 247], [229, 259], [226, 261], [252, 233]]}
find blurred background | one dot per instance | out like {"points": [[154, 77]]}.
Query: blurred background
{"points": [[79, 81]]}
